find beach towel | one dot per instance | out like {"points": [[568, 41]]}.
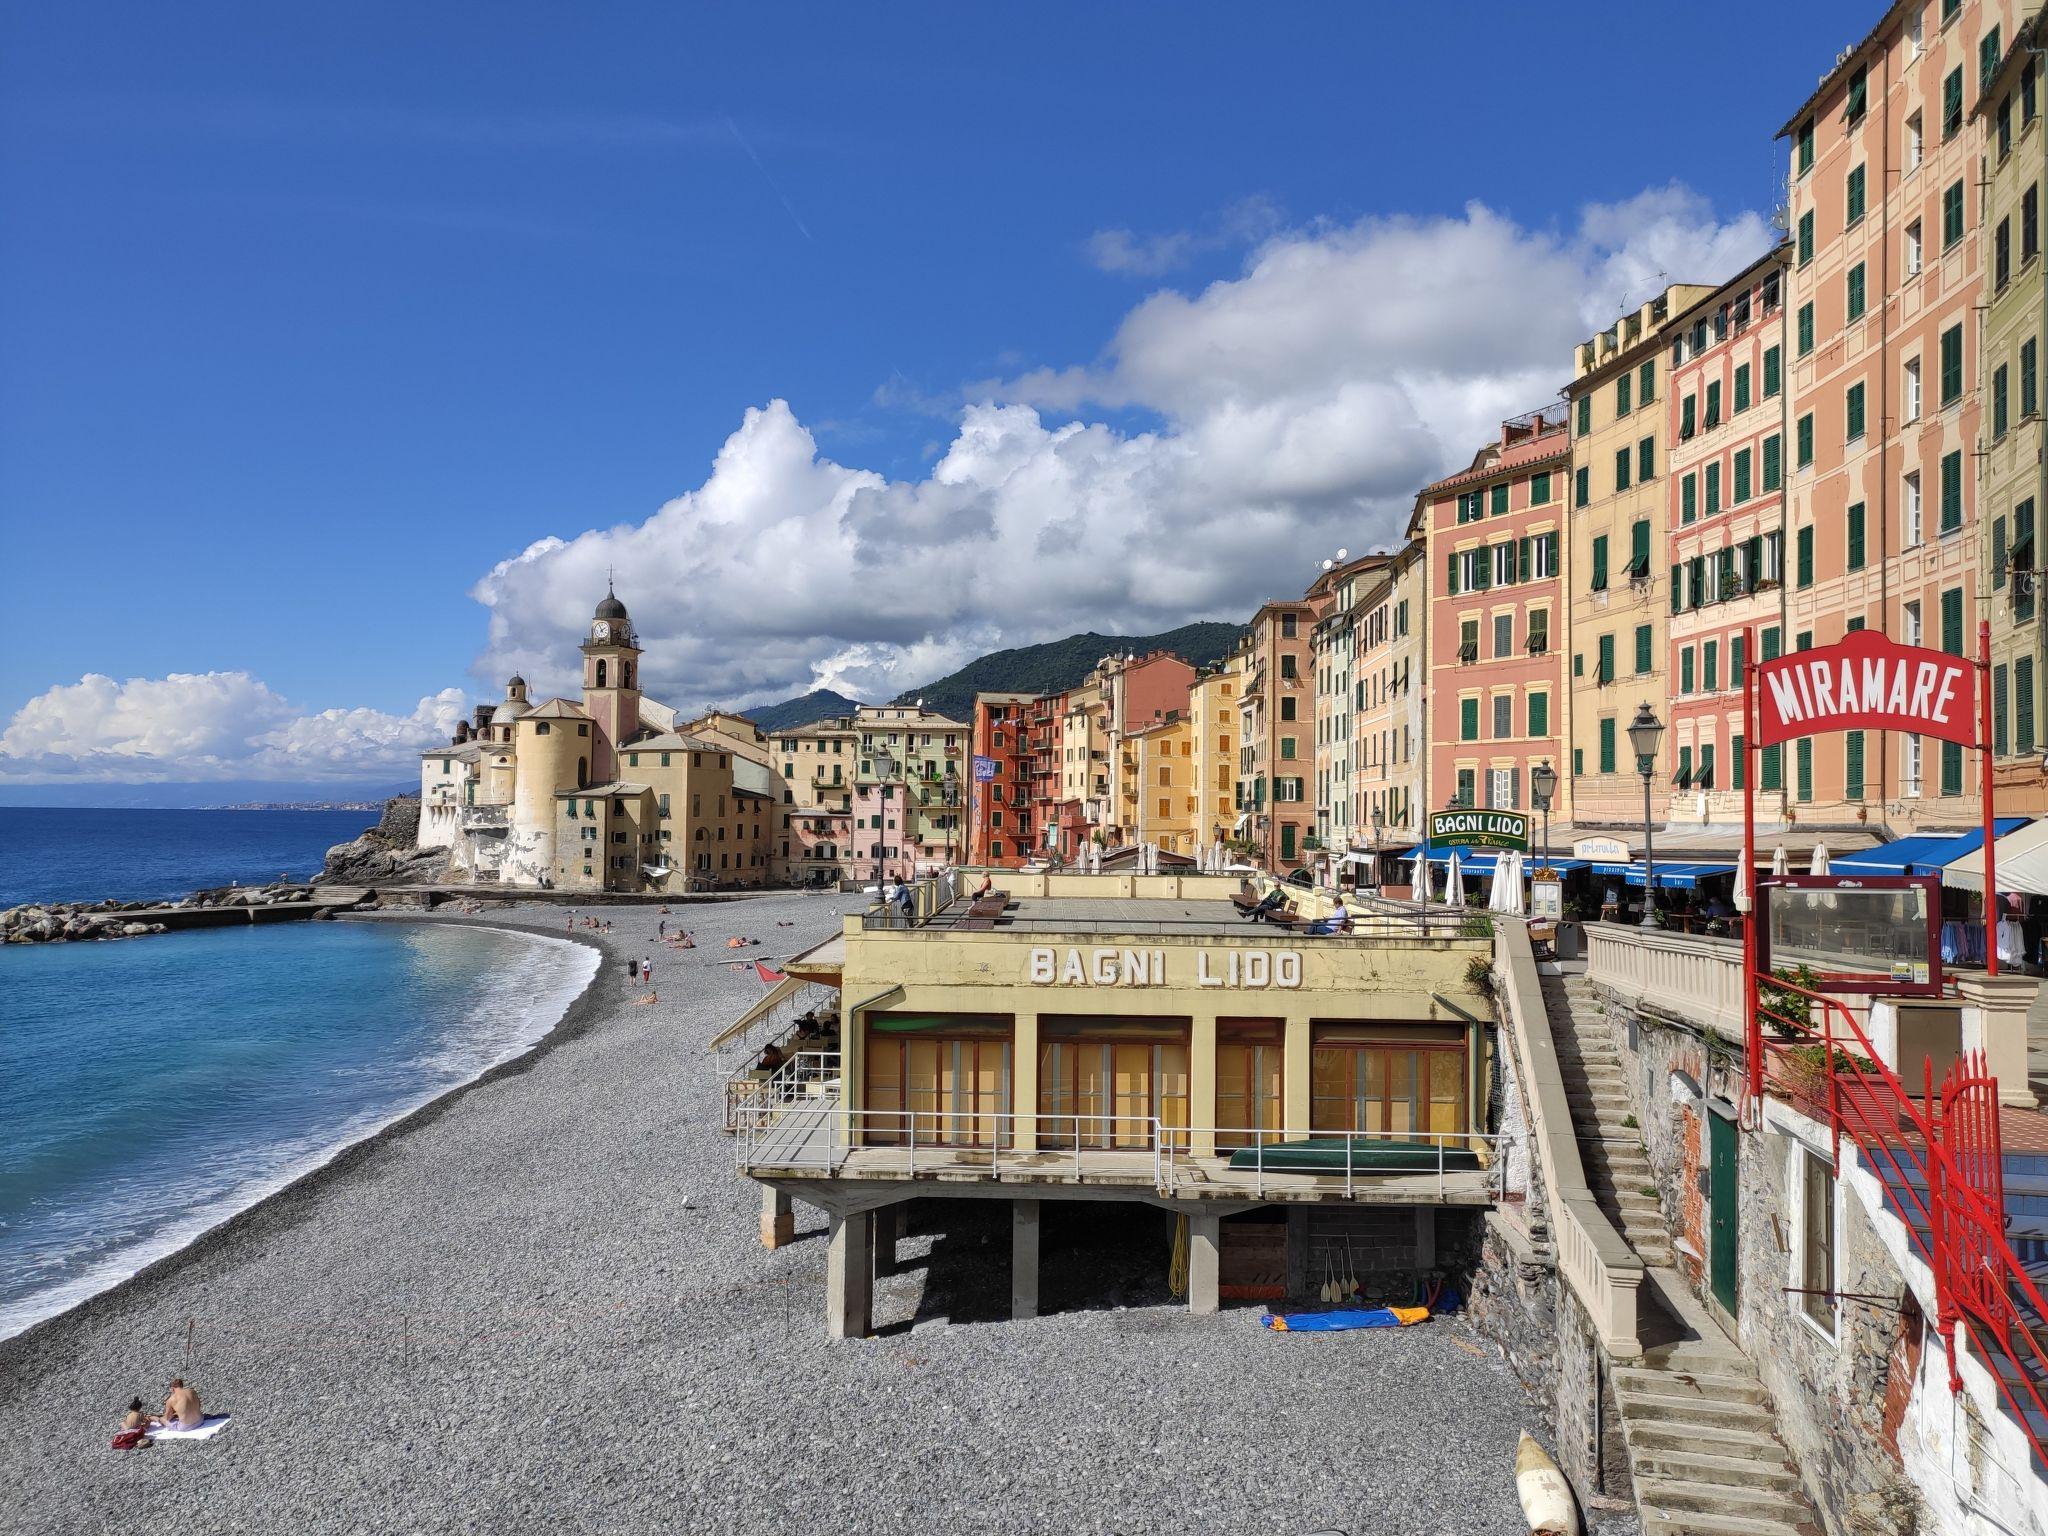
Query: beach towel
{"points": [[209, 1426]]}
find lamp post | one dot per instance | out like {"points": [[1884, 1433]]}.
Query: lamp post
{"points": [[1542, 785], [1379, 825], [1645, 732]]}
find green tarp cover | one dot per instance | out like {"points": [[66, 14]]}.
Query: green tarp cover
{"points": [[1327, 1154]]}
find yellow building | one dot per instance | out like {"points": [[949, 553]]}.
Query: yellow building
{"points": [[1212, 728], [1084, 765], [817, 765], [1130, 1038], [602, 793], [1156, 784], [1617, 587]]}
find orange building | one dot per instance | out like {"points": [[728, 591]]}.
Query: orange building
{"points": [[1276, 726], [1881, 475], [1493, 535]]}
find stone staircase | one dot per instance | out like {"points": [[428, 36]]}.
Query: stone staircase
{"points": [[1701, 1432]]}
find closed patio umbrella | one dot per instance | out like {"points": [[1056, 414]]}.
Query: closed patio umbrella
{"points": [[1780, 865], [1820, 859], [1517, 904], [1454, 882]]}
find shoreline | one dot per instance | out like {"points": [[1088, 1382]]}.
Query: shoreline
{"points": [[347, 1154]]}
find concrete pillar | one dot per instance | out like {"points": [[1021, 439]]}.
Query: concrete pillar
{"points": [[1425, 1237], [1205, 1263], [1994, 1022], [1298, 1283], [778, 1218], [1202, 1084], [850, 1276], [1024, 1078], [1024, 1220]]}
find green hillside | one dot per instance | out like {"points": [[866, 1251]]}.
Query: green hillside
{"points": [[1061, 664]]}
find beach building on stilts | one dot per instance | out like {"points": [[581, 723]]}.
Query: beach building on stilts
{"points": [[1269, 1101]]}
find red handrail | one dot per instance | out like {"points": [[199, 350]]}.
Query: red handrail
{"points": [[1941, 1159]]}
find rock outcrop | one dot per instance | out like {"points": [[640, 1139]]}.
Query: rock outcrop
{"points": [[387, 853]]}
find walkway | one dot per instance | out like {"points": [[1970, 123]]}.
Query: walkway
{"points": [[1702, 1435]]}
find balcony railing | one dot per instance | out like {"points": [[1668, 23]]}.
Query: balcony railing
{"points": [[1683, 976]]}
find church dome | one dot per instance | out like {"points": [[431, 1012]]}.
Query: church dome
{"points": [[611, 607]]}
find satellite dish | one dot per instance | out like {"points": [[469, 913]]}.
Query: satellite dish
{"points": [[1328, 563], [1343, 554]]}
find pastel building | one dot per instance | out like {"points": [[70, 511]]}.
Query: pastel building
{"points": [[601, 793], [1276, 724], [1728, 410], [906, 800], [1621, 447], [1212, 732], [1001, 832], [1494, 539], [1386, 755], [1884, 284], [2013, 472], [817, 763]]}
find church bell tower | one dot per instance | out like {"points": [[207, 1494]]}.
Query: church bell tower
{"points": [[611, 684]]}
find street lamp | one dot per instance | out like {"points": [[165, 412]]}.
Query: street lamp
{"points": [[1379, 825], [1645, 732], [1542, 785]]}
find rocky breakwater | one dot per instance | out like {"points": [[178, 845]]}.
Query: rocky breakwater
{"points": [[34, 923], [386, 854]]}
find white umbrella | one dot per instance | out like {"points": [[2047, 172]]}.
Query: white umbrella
{"points": [[1419, 877], [1497, 887], [1780, 865], [1820, 859], [1454, 882], [1515, 905]]}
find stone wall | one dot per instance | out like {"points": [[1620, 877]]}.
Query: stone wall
{"points": [[400, 824], [1830, 1381]]}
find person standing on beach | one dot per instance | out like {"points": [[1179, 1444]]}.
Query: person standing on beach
{"points": [[661, 929], [646, 969]]}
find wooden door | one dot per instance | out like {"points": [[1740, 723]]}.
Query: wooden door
{"points": [[1721, 1231]]}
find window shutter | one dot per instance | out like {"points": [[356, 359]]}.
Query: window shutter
{"points": [[1741, 764], [1685, 659], [1855, 537], [1482, 568], [1770, 373], [1997, 552], [1736, 657], [1643, 643], [1523, 553], [1607, 745], [1677, 588], [1951, 768], [1852, 765], [1774, 463], [1742, 482], [2023, 704], [1805, 761], [1952, 621], [1688, 498], [1600, 563], [1806, 556], [1639, 547], [1454, 576], [1999, 718], [1539, 714], [1500, 500]]}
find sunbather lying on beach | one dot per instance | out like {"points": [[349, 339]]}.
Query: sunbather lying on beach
{"points": [[652, 997], [740, 943], [181, 1408]]}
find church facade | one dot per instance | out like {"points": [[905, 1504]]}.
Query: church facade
{"points": [[609, 792]]}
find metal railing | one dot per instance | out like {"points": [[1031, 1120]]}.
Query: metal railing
{"points": [[798, 1124]]}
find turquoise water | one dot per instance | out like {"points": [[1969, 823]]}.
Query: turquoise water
{"points": [[152, 1087], [88, 855]]}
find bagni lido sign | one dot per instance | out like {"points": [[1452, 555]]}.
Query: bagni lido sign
{"points": [[1866, 683], [1231, 968], [1479, 829]]}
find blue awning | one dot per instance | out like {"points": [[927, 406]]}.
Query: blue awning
{"points": [[1480, 861], [1925, 855], [1678, 876]]}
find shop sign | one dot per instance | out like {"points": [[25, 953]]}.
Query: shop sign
{"points": [[1601, 850], [1479, 829], [1866, 682], [1546, 894], [1242, 969]]}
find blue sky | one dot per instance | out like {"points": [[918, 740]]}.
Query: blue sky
{"points": [[312, 315]]}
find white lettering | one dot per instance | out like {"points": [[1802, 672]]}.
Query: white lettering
{"points": [[1895, 701], [1789, 709], [1203, 977], [1823, 688], [1104, 973], [1923, 686], [1949, 678], [1286, 969], [1043, 966], [1138, 968], [1258, 968], [1873, 684], [1072, 973], [1805, 689]]}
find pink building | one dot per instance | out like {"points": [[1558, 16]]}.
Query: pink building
{"points": [[1494, 535]]}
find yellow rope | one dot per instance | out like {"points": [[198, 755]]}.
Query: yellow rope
{"points": [[1177, 1270]]}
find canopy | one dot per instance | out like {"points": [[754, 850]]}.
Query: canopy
{"points": [[1677, 877], [2022, 863], [1481, 861], [781, 992], [1924, 855]]}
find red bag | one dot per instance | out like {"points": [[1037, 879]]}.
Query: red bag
{"points": [[129, 1439]]}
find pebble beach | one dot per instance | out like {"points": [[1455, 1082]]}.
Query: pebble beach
{"points": [[541, 1303]]}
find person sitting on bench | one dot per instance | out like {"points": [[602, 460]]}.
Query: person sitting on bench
{"points": [[1267, 907]]}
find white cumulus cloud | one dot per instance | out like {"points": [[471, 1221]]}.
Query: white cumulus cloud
{"points": [[1264, 421], [209, 725]]}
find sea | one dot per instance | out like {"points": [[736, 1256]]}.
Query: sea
{"points": [[50, 854], [151, 1088]]}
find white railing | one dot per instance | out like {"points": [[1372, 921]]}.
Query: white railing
{"points": [[1593, 1257], [1683, 975], [1423, 1152]]}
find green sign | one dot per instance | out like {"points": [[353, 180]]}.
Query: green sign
{"points": [[1479, 829]]}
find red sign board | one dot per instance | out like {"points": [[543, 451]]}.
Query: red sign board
{"points": [[1866, 683]]}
